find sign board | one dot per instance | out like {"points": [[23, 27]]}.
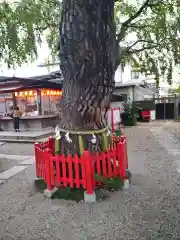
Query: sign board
{"points": [[116, 117]]}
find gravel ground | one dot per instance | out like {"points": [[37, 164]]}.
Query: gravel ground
{"points": [[150, 209]]}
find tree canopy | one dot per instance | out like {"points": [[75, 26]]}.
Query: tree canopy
{"points": [[147, 32]]}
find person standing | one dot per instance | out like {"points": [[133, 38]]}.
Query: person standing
{"points": [[16, 114]]}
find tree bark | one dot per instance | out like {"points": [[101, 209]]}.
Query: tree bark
{"points": [[87, 62], [87, 49]]}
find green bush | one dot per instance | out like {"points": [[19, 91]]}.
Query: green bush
{"points": [[130, 114], [178, 118]]}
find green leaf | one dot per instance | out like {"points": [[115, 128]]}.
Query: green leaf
{"points": [[148, 33]]}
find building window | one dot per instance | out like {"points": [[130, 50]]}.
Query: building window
{"points": [[135, 75], [124, 97], [119, 98]]}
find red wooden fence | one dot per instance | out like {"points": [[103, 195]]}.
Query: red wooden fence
{"points": [[74, 171]]}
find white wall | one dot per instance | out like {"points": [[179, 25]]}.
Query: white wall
{"points": [[123, 74], [126, 74], [138, 95], [137, 75], [142, 93], [118, 74], [163, 91]]}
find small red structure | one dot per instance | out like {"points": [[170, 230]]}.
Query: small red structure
{"points": [[73, 171], [146, 115]]}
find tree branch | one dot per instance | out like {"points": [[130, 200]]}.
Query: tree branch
{"points": [[134, 51], [136, 26], [127, 22], [130, 51], [139, 41], [146, 3], [46, 27], [120, 52]]}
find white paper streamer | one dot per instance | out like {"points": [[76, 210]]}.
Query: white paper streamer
{"points": [[93, 140], [108, 133], [58, 134], [68, 139]]}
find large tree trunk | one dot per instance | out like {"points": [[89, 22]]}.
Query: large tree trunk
{"points": [[87, 36]]}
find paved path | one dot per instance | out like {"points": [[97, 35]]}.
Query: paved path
{"points": [[14, 158], [10, 165], [149, 210], [17, 149]]}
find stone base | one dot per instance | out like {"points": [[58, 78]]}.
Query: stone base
{"points": [[90, 198], [49, 193], [126, 184]]}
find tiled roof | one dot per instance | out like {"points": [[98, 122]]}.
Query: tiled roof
{"points": [[52, 77]]}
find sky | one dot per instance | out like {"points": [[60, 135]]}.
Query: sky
{"points": [[31, 69]]}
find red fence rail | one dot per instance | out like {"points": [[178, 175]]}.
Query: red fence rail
{"points": [[74, 171]]}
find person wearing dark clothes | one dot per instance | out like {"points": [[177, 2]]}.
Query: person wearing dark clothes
{"points": [[16, 114]]}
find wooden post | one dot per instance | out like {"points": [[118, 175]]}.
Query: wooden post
{"points": [[39, 101], [104, 142], [112, 120], [57, 147], [14, 100], [81, 145]]}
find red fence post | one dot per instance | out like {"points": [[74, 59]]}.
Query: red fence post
{"points": [[89, 177], [51, 144], [123, 138], [47, 169], [121, 160], [36, 152]]}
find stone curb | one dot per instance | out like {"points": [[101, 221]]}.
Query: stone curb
{"points": [[21, 141]]}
